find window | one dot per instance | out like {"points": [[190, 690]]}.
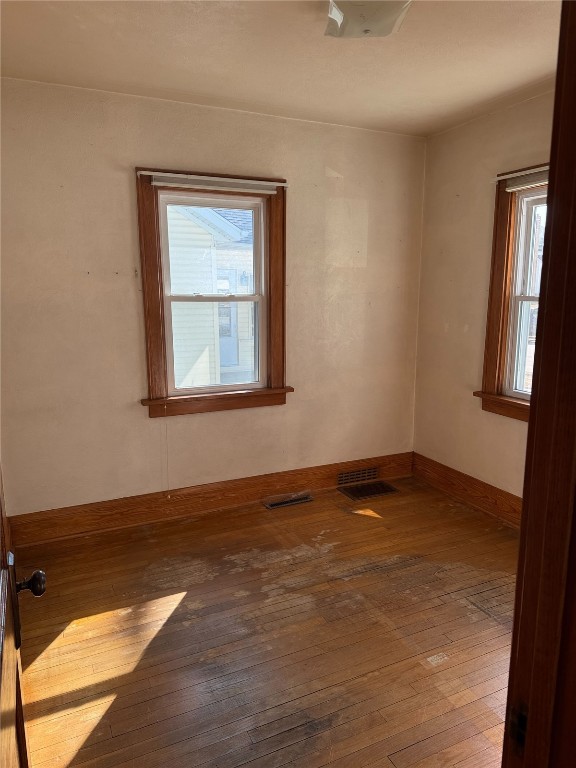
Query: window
{"points": [[212, 251], [520, 222]]}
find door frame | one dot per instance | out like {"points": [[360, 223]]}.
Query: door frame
{"points": [[539, 729]]}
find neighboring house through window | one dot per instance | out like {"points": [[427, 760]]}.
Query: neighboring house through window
{"points": [[520, 222], [213, 272]]}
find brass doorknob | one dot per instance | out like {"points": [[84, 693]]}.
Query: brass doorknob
{"points": [[36, 584]]}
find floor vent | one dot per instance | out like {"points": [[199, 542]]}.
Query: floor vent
{"points": [[367, 490], [286, 500], [358, 475]]}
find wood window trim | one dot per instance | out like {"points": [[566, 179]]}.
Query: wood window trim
{"points": [[497, 324], [503, 405], [159, 402]]}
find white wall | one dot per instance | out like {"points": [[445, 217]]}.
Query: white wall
{"points": [[450, 425], [73, 345]]}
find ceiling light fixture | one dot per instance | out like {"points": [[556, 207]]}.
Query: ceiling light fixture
{"points": [[373, 18]]}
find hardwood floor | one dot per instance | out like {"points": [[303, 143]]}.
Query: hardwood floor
{"points": [[300, 637]]}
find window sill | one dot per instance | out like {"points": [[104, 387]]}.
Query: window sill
{"points": [[220, 401], [514, 408]]}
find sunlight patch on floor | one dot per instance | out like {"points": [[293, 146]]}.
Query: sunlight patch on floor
{"points": [[58, 730], [366, 513]]}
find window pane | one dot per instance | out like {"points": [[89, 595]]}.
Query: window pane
{"points": [[214, 343], [211, 250], [527, 320], [535, 248]]}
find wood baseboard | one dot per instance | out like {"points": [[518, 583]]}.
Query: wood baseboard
{"points": [[49, 525], [476, 493], [53, 524]]}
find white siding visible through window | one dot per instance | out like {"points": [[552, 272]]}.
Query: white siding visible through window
{"points": [[191, 263], [196, 353], [210, 252]]}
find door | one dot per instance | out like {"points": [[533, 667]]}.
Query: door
{"points": [[539, 729], [13, 748], [12, 737]]}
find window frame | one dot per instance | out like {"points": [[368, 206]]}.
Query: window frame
{"points": [[495, 393], [160, 401]]}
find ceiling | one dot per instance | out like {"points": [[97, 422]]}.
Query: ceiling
{"points": [[449, 62]]}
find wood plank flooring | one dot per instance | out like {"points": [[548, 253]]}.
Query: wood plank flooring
{"points": [[300, 637]]}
